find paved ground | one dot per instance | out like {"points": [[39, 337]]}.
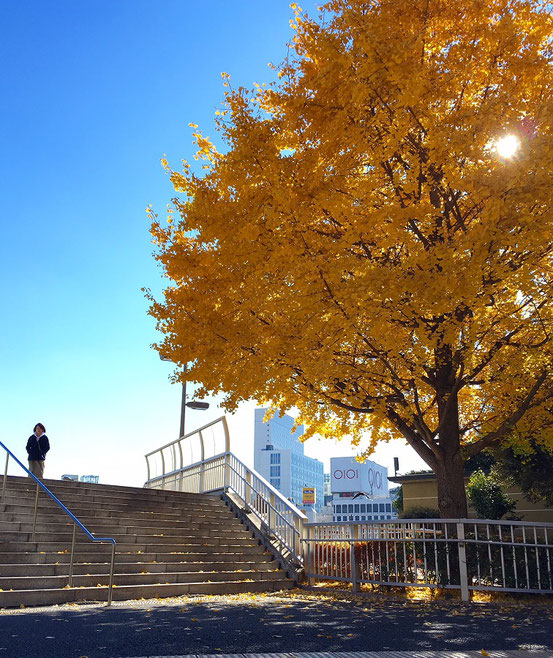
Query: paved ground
{"points": [[285, 624], [374, 654]]}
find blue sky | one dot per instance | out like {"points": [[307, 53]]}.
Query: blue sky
{"points": [[94, 95]]}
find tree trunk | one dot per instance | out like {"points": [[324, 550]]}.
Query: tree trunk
{"points": [[452, 499]]}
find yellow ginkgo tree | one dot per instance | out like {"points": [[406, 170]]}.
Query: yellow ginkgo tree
{"points": [[374, 244]]}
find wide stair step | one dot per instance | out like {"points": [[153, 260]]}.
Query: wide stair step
{"points": [[167, 544], [18, 598]]}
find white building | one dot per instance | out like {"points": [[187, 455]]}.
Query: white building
{"points": [[91, 479], [279, 458], [359, 490]]}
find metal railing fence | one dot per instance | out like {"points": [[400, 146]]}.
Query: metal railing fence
{"points": [[278, 518], [76, 522], [462, 554], [195, 447]]}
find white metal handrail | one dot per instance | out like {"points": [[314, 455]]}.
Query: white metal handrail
{"points": [[281, 518], [192, 447], [278, 517]]}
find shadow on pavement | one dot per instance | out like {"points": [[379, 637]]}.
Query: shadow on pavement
{"points": [[270, 625]]}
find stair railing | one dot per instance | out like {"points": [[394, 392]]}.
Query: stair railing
{"points": [[76, 522], [196, 446], [278, 519]]}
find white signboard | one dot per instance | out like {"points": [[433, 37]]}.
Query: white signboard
{"points": [[349, 475]]}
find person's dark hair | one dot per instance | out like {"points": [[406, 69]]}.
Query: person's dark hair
{"points": [[41, 427]]}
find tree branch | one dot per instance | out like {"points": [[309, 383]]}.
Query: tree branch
{"points": [[413, 438], [509, 423]]}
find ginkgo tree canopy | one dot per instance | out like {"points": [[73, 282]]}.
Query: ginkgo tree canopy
{"points": [[361, 249]]}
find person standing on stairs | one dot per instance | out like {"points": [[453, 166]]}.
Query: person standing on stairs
{"points": [[37, 447]]}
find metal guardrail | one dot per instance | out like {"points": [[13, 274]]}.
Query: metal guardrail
{"points": [[76, 522], [194, 447], [462, 554], [278, 518]]}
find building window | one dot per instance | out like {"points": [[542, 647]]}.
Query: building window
{"points": [[275, 471], [382, 508], [388, 507], [275, 459], [275, 482], [363, 508]]}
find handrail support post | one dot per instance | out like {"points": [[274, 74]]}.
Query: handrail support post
{"points": [[110, 589], [72, 556], [35, 512], [5, 476]]}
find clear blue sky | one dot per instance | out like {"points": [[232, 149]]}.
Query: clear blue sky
{"points": [[94, 93]]}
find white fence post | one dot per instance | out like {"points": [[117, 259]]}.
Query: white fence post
{"points": [[227, 472], [202, 459], [270, 513], [463, 579], [307, 558], [300, 532], [353, 565]]}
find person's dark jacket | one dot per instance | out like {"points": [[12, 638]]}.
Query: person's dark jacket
{"points": [[37, 448]]}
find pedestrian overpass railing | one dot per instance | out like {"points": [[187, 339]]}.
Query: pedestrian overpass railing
{"points": [[278, 520]]}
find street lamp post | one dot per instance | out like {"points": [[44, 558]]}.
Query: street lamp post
{"points": [[182, 407], [193, 404]]}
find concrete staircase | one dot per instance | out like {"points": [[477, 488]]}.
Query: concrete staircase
{"points": [[168, 544]]}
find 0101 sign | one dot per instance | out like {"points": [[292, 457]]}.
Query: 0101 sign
{"points": [[373, 477], [346, 473]]}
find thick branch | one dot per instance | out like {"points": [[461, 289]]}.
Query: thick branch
{"points": [[508, 424], [413, 438], [496, 347]]}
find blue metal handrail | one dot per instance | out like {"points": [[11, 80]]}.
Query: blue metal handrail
{"points": [[75, 520]]}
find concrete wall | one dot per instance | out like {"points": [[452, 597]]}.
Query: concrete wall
{"points": [[424, 493]]}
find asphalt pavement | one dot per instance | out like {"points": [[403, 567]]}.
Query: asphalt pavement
{"points": [[290, 623]]}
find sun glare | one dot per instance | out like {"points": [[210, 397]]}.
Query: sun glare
{"points": [[507, 146]]}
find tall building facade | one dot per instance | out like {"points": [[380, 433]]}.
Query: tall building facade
{"points": [[279, 457]]}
